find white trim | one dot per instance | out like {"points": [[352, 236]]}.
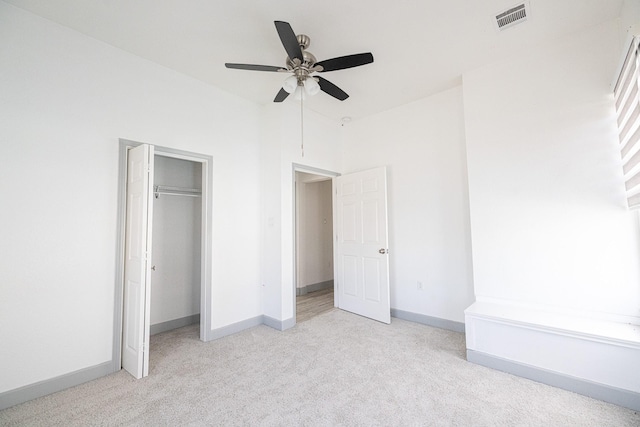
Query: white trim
{"points": [[205, 230], [519, 309], [566, 331], [559, 342], [116, 358], [625, 47], [297, 167]]}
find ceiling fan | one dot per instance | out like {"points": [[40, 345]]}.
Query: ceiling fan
{"points": [[302, 64]]}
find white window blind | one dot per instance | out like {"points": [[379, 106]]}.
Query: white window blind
{"points": [[627, 101]]}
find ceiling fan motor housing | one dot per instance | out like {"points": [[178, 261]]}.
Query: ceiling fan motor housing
{"points": [[303, 69], [308, 59]]}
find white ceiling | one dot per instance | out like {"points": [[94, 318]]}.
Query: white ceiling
{"points": [[420, 46]]}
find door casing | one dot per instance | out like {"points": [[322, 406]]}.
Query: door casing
{"points": [[315, 171], [205, 249]]}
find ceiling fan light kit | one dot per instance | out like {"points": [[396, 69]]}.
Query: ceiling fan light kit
{"points": [[290, 84], [303, 65], [311, 86]]}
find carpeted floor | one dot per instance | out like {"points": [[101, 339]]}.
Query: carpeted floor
{"points": [[334, 369]]}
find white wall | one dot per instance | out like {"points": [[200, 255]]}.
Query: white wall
{"points": [[65, 99], [280, 151], [548, 217], [177, 229], [423, 146], [629, 22], [314, 229]]}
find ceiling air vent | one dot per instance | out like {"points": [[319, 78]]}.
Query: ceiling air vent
{"points": [[512, 16]]}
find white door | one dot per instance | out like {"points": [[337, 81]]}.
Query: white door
{"points": [[137, 269], [362, 264]]}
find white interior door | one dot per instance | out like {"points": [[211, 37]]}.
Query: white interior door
{"points": [[137, 270], [362, 260]]}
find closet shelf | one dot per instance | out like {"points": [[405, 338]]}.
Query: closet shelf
{"points": [[176, 191]]}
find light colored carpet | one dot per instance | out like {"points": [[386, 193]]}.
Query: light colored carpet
{"points": [[334, 369]]}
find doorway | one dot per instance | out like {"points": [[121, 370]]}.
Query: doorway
{"points": [[314, 256], [181, 192], [361, 251]]}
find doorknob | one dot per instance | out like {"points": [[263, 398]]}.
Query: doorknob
{"points": [[153, 268], [384, 251]]}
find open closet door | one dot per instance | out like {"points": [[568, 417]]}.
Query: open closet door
{"points": [[137, 269], [362, 264]]}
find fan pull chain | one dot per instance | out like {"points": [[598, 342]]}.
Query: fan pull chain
{"points": [[302, 124]]}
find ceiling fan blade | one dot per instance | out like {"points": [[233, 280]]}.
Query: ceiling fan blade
{"points": [[254, 67], [281, 96], [289, 39], [333, 90], [348, 61]]}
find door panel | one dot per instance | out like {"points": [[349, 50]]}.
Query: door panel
{"points": [[362, 261], [350, 275], [370, 222], [135, 331], [132, 326], [371, 279], [350, 212]]}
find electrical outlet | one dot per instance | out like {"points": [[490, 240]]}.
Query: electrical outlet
{"points": [[419, 285]]}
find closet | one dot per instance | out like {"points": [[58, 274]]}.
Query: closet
{"points": [[176, 244]]}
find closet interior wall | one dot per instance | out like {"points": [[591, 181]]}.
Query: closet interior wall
{"points": [[175, 280]]}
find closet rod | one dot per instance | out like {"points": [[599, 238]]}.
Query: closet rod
{"points": [[176, 191]]}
